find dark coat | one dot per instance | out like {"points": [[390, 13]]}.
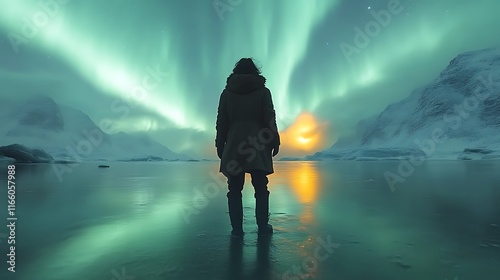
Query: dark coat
{"points": [[246, 125]]}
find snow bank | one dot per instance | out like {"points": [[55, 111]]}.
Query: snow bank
{"points": [[365, 154]]}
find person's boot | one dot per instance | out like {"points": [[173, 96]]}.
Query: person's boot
{"points": [[235, 213], [262, 213]]}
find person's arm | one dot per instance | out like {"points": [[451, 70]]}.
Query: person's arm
{"points": [[270, 118], [222, 122]]}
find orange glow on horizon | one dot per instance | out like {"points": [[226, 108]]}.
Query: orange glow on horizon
{"points": [[304, 136]]}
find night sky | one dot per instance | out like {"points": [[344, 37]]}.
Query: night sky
{"points": [[159, 66]]}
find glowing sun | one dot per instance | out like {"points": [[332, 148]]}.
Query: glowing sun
{"points": [[306, 134]]}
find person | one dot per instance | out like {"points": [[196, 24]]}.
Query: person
{"points": [[247, 138]]}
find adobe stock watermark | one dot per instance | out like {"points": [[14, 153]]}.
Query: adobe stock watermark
{"points": [[364, 37], [122, 275], [94, 138], [251, 147], [439, 135], [201, 196], [138, 93], [223, 6], [310, 264], [49, 9]]}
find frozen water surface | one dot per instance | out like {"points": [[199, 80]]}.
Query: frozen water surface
{"points": [[332, 220]]}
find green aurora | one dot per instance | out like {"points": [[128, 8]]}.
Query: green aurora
{"points": [[159, 66]]}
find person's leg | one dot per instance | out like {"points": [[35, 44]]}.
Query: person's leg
{"points": [[234, 201], [259, 182]]}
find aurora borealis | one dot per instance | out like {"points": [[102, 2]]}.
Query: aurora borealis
{"points": [[159, 66]]}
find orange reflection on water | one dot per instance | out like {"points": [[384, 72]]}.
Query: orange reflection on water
{"points": [[305, 182]]}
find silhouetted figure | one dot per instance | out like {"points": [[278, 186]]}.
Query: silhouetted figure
{"points": [[247, 138]]}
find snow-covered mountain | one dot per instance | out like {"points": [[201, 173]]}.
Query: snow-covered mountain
{"points": [[457, 116], [66, 134]]}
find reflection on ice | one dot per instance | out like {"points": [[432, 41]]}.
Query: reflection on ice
{"points": [[305, 181], [332, 220]]}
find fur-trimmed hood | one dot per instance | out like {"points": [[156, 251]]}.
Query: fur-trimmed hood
{"points": [[245, 83]]}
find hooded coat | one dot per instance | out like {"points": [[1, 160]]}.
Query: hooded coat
{"points": [[246, 125]]}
